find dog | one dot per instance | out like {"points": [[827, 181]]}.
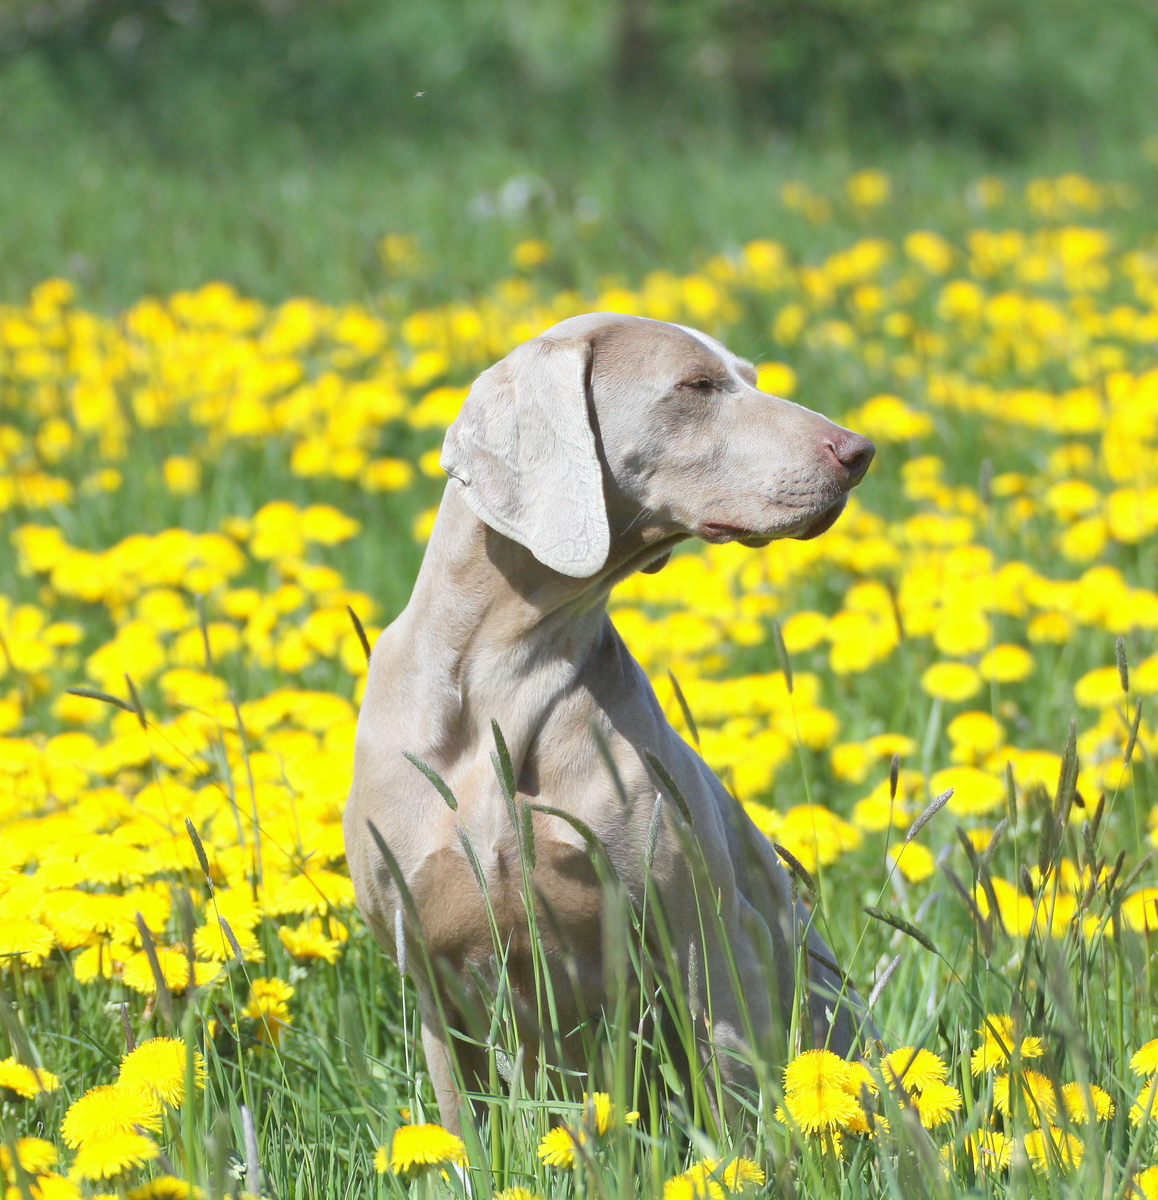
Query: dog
{"points": [[585, 455]]}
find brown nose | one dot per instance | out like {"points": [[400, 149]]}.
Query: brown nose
{"points": [[853, 452]]}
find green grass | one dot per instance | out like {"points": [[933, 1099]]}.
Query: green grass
{"points": [[126, 212], [336, 1087], [144, 195]]}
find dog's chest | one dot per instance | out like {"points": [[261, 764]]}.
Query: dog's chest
{"points": [[457, 914]]}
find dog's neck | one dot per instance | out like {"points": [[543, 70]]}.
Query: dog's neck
{"points": [[500, 581], [487, 614]]}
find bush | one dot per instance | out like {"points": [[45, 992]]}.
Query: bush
{"points": [[997, 73]]}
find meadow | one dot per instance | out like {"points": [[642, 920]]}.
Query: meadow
{"points": [[942, 710]]}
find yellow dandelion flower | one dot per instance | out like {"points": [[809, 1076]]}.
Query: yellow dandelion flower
{"points": [[158, 1066], [777, 379], [29, 941], [1079, 1109], [704, 1185], [742, 1173], [974, 736], [860, 1076], [52, 1186], [868, 188], [26, 1082], [913, 1068], [416, 1147], [1035, 1091], [531, 253], [557, 1148], [952, 681], [1099, 688], [92, 913], [710, 1178], [100, 961], [207, 974], [1049, 1147], [599, 1112], [268, 1006], [817, 1095], [271, 991], [936, 1103], [1147, 1183], [1006, 663], [182, 474], [110, 1154], [1145, 1102], [517, 1193], [308, 941], [109, 1109], [888, 418], [137, 971], [809, 1070], [990, 1151], [35, 1155], [325, 524], [994, 1053], [211, 942], [860, 1123], [914, 861], [681, 1187], [1144, 1061], [974, 791], [164, 1187]]}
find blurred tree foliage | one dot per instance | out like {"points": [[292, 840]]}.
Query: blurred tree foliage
{"points": [[998, 72]]}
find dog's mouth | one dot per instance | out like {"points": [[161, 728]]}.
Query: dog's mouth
{"points": [[821, 522], [718, 532]]}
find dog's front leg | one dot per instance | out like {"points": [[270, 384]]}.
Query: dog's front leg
{"points": [[730, 1015], [442, 1075], [454, 1064]]}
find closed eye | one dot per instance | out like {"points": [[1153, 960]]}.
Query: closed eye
{"points": [[700, 384]]}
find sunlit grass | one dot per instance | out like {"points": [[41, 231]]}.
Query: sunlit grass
{"points": [[197, 493]]}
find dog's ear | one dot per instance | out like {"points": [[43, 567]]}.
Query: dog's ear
{"points": [[524, 454]]}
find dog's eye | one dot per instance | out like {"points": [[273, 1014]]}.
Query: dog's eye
{"points": [[700, 385]]}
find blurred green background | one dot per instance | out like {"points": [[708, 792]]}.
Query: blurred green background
{"points": [[147, 145]]}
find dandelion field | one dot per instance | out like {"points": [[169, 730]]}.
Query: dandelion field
{"points": [[197, 493]]}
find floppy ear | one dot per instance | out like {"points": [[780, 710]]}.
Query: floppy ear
{"points": [[523, 452]]}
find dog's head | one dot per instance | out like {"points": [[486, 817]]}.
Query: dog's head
{"points": [[610, 433]]}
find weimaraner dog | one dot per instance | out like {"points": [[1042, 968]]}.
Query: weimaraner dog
{"points": [[584, 455]]}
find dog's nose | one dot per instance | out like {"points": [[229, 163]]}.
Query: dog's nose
{"points": [[853, 452]]}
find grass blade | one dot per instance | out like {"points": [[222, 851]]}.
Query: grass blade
{"points": [[882, 982], [685, 708], [164, 998], [888, 918], [199, 850], [105, 697], [795, 866], [782, 654], [931, 810], [672, 788], [434, 777], [360, 631], [138, 707]]}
